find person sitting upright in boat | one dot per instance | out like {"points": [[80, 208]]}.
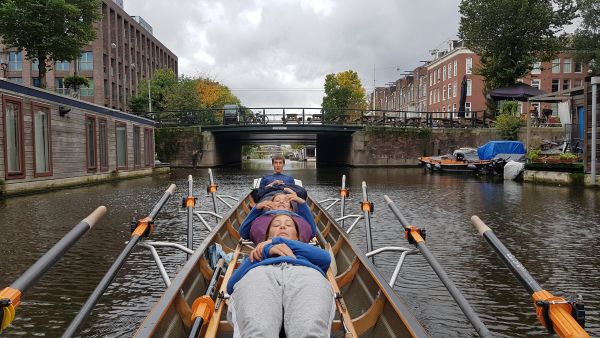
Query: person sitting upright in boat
{"points": [[263, 212], [277, 177], [282, 284]]}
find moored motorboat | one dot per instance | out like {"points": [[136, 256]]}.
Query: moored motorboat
{"points": [[460, 161]]}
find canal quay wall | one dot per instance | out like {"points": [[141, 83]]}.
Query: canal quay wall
{"points": [[50, 141], [402, 146]]}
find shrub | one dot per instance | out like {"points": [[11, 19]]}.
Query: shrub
{"points": [[533, 155], [508, 125], [568, 156]]}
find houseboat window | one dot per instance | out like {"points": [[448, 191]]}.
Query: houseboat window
{"points": [[90, 141], [41, 137], [121, 131], [14, 139], [137, 147], [103, 144], [149, 146]]}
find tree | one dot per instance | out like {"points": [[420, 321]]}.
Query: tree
{"points": [[510, 35], [343, 91], [162, 82], [49, 30], [586, 40]]}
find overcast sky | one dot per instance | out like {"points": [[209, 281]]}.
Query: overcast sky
{"points": [[276, 53]]}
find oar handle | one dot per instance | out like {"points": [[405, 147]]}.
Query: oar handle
{"points": [[554, 313], [37, 270], [10, 297]]}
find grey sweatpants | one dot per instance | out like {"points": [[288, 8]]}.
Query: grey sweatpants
{"points": [[267, 296]]}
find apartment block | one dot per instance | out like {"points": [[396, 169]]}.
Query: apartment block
{"points": [[124, 53]]}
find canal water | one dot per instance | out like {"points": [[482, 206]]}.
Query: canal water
{"points": [[552, 230]]}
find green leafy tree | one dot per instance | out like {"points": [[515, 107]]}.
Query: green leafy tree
{"points": [[343, 91], [162, 82], [49, 30], [586, 40], [510, 35]]}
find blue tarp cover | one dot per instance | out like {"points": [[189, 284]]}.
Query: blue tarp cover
{"points": [[493, 148]]}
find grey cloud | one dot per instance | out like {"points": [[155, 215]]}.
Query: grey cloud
{"points": [[294, 46]]}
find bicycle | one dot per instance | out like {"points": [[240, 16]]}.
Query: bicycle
{"points": [[257, 118]]}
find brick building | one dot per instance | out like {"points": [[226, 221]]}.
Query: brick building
{"points": [[437, 86], [124, 53]]}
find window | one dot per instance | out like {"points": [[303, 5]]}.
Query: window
{"points": [[13, 139], [103, 144], [578, 83], [87, 90], [467, 110], [444, 93], [454, 89], [556, 66], [450, 70], [86, 61], [121, 139], [578, 67], [555, 84], [15, 61], [537, 68], [430, 97], [469, 64], [567, 65], [454, 107], [431, 79], [449, 93], [62, 66], [469, 87], [35, 64], [35, 81], [15, 79], [90, 143], [59, 85], [566, 84], [149, 147], [41, 140], [137, 147], [455, 67], [439, 74], [535, 83], [444, 73]]}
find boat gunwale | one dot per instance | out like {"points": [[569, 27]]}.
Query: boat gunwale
{"points": [[150, 323]]}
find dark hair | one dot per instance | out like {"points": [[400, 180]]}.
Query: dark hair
{"points": [[277, 157], [293, 220]]}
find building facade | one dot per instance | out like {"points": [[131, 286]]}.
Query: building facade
{"points": [[438, 85], [49, 140], [124, 53]]}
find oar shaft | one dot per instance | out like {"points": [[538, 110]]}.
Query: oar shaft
{"points": [[39, 268], [530, 284], [163, 200], [437, 268], [367, 214], [116, 266], [100, 289], [190, 216]]}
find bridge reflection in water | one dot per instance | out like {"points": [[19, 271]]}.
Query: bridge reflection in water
{"points": [[243, 116]]}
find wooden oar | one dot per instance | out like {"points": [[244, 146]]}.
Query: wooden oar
{"points": [[10, 297], [350, 331], [554, 313], [213, 325], [143, 228], [204, 306], [414, 236]]}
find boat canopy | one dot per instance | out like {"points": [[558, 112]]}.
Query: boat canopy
{"points": [[493, 148]]}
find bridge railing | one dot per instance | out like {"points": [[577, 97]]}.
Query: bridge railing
{"points": [[318, 116]]}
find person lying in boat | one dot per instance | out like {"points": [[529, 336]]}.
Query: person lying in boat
{"points": [[282, 284], [277, 177], [262, 214], [275, 188]]}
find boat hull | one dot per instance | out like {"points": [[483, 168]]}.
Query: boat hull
{"points": [[376, 309]]}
